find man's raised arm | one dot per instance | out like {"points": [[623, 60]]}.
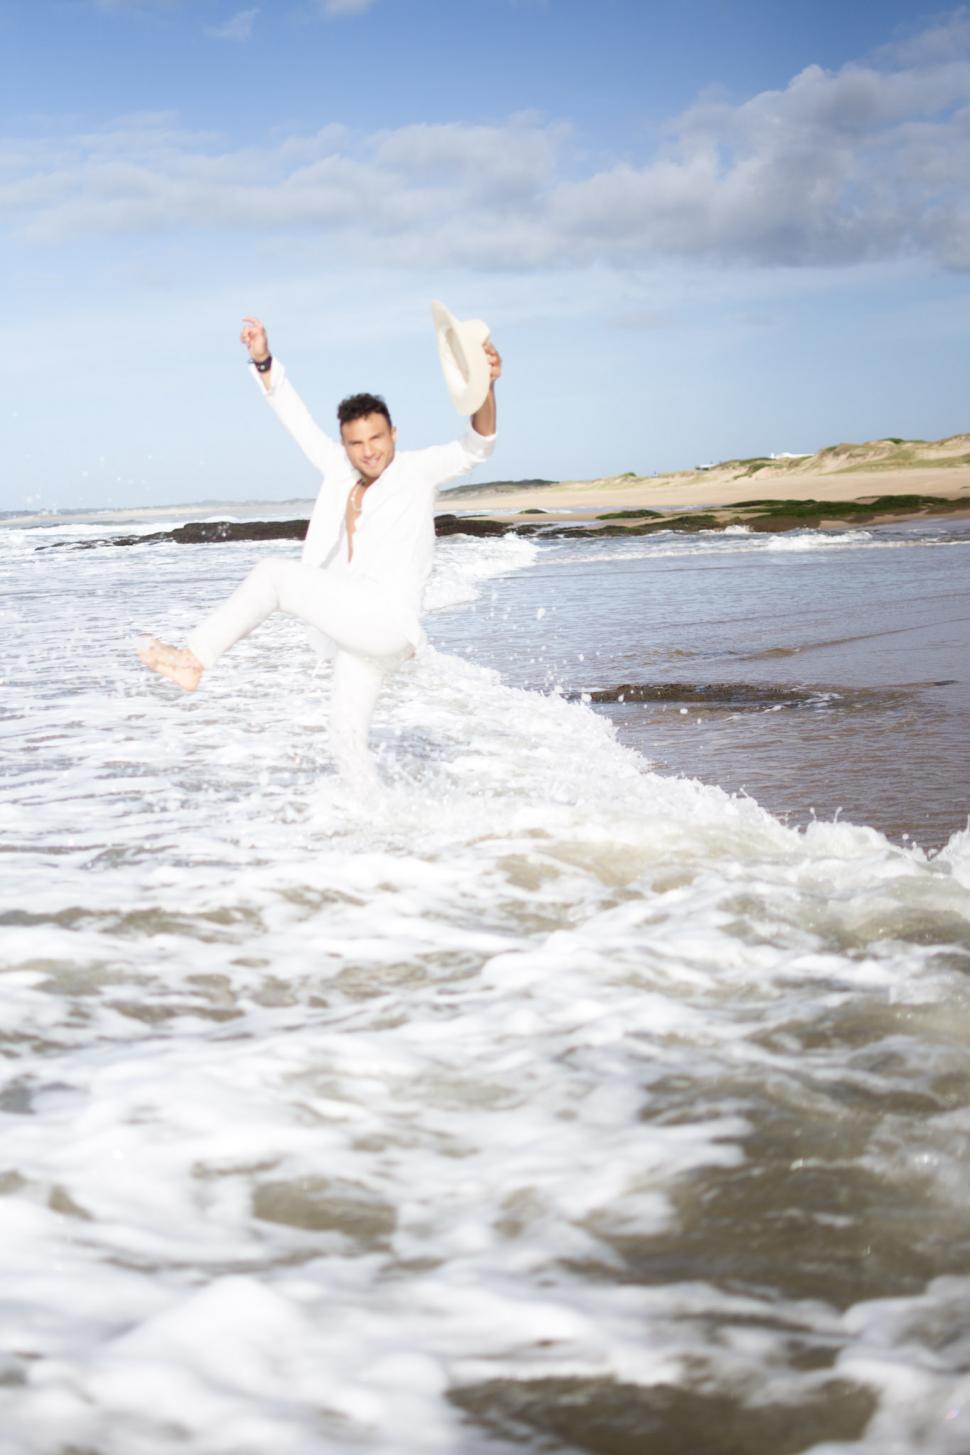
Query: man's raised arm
{"points": [[484, 419], [443, 463], [286, 404]]}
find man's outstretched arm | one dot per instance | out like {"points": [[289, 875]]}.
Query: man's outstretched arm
{"points": [[286, 404], [450, 462], [483, 421]]}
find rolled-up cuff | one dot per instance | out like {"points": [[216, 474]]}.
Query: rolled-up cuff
{"points": [[479, 446], [196, 643]]}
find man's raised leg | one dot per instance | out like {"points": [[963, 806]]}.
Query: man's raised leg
{"points": [[358, 622], [250, 604]]}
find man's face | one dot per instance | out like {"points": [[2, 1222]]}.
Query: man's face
{"points": [[369, 443]]}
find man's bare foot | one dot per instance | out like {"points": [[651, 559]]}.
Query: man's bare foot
{"points": [[178, 664]]}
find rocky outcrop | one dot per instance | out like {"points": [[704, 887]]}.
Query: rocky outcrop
{"points": [[757, 515], [198, 532], [470, 525], [208, 532]]}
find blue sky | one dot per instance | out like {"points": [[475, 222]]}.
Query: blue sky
{"points": [[697, 229]]}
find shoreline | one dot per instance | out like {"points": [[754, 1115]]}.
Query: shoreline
{"points": [[775, 516], [861, 482], [773, 495], [791, 513], [714, 490], [840, 474]]}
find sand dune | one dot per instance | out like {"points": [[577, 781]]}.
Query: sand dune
{"points": [[838, 472]]}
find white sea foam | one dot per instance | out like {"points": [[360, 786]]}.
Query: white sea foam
{"points": [[812, 540], [319, 1108], [459, 572], [739, 540]]}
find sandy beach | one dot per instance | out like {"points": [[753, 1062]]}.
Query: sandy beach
{"points": [[839, 473]]}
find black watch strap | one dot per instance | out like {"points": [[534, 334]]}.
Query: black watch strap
{"points": [[263, 366]]}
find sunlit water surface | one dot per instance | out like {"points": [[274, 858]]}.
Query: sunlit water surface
{"points": [[825, 674], [535, 1101]]}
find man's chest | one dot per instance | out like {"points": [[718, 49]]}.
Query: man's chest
{"points": [[352, 512]]}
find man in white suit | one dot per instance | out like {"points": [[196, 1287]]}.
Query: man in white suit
{"points": [[367, 554]]}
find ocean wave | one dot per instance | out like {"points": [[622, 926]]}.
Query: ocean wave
{"points": [[810, 540], [390, 1118], [460, 567], [735, 540]]}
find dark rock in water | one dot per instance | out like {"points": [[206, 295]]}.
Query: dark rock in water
{"points": [[199, 532], [630, 515], [782, 515], [208, 532], [456, 525], [763, 515], [710, 694]]}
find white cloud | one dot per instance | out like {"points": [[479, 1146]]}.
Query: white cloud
{"points": [[947, 36], [238, 27], [513, 160], [869, 162]]}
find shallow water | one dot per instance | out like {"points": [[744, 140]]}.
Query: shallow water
{"points": [[536, 1101], [825, 675]]}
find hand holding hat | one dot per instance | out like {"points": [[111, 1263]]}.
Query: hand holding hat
{"points": [[469, 361]]}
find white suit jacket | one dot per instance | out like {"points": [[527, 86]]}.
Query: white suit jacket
{"points": [[394, 536]]}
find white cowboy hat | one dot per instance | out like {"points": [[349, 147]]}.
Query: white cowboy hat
{"points": [[464, 362]]}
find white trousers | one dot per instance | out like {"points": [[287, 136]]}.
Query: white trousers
{"points": [[353, 614]]}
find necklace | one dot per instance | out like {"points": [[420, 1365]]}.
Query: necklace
{"points": [[357, 499]]}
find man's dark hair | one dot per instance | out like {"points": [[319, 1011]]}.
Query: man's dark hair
{"points": [[358, 406]]}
